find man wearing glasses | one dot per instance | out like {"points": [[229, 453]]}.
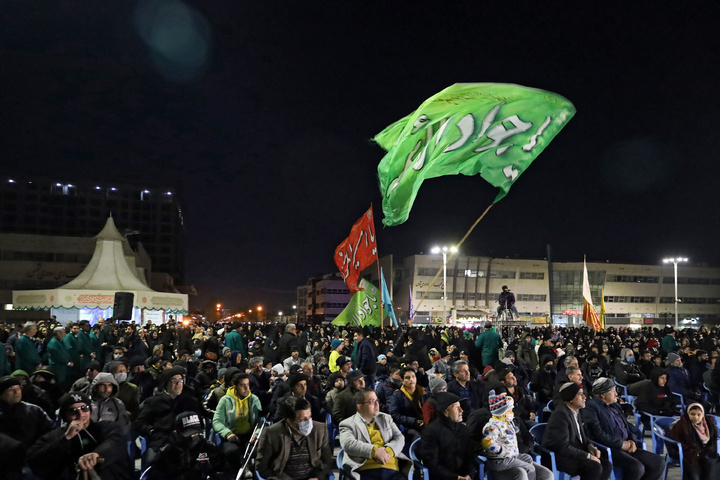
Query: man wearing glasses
{"points": [[156, 419], [80, 444], [372, 442]]}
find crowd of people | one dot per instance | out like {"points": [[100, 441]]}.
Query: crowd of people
{"points": [[81, 398]]}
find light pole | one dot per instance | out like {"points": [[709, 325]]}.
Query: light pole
{"points": [[444, 251], [675, 262]]}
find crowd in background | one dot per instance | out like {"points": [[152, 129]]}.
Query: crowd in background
{"points": [[73, 397]]}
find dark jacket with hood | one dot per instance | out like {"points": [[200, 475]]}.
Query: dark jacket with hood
{"points": [[627, 373], [110, 409], [526, 355], [654, 399]]}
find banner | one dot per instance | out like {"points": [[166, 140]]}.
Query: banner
{"points": [[492, 129], [602, 308], [590, 315], [358, 251], [411, 308], [387, 301], [363, 309]]}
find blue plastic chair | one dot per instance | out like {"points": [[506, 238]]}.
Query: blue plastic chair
{"points": [[482, 461], [537, 432], [624, 390], [680, 401], [661, 432], [333, 430], [664, 424], [416, 461], [145, 474], [339, 464]]}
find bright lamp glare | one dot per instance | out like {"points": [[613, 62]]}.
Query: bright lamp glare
{"points": [[435, 250]]}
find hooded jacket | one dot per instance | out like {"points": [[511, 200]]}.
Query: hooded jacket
{"points": [[627, 373], [654, 399], [526, 355], [110, 409]]}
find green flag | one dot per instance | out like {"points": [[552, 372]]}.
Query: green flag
{"points": [[492, 129], [363, 309]]}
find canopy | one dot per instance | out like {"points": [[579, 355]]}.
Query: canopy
{"points": [[109, 271]]}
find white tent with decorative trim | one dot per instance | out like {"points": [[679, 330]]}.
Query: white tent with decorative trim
{"points": [[111, 269]]}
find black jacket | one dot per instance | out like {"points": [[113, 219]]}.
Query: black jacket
{"points": [[24, 422], [599, 425], [156, 419], [366, 356], [54, 457], [476, 396], [446, 449]]}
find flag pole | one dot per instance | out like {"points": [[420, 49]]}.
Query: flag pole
{"points": [[382, 317], [452, 254]]}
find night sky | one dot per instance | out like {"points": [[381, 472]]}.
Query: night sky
{"points": [[263, 112]]}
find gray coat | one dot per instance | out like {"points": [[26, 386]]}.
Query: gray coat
{"points": [[355, 442]]}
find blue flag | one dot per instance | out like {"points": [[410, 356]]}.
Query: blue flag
{"points": [[386, 299]]}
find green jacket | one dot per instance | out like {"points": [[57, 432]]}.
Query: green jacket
{"points": [[59, 356], [489, 343], [224, 418], [26, 354], [234, 341], [668, 344]]}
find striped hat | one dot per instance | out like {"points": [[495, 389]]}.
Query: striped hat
{"points": [[499, 404]]}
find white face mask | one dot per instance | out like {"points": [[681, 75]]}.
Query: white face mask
{"points": [[121, 377], [117, 355], [198, 353], [304, 428]]}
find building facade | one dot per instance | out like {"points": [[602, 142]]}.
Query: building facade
{"points": [[150, 215], [322, 299], [633, 294]]}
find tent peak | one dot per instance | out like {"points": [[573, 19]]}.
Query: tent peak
{"points": [[109, 231]]}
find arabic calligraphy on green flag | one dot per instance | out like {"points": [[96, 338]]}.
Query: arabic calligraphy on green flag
{"points": [[492, 129], [363, 309]]}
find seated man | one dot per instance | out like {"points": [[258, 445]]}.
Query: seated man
{"points": [[296, 447], [565, 435], [372, 442], [298, 383], [156, 420], [236, 416], [187, 455], [606, 424], [470, 393], [23, 423], [105, 405], [572, 374], [80, 442], [445, 448], [344, 405]]}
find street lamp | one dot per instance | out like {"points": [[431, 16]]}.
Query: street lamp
{"points": [[444, 251], [675, 262]]}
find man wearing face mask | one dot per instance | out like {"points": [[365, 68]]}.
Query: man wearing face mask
{"points": [[128, 392], [626, 371], [187, 455], [295, 448]]}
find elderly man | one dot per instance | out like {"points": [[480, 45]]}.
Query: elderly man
{"points": [[26, 352], [287, 341], [82, 442], [470, 393], [565, 435], [372, 442], [59, 356], [572, 374], [295, 448], [445, 448], [605, 423]]}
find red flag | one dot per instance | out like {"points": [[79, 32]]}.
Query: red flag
{"points": [[358, 251]]}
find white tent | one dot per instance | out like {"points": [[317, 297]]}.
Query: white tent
{"points": [[111, 269]]}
